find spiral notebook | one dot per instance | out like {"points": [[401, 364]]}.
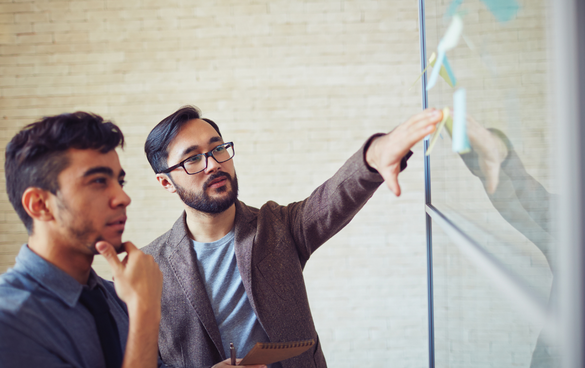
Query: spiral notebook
{"points": [[272, 352]]}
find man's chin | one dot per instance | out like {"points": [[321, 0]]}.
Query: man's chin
{"points": [[116, 243], [119, 248]]}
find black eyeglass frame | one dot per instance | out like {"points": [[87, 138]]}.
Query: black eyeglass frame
{"points": [[206, 155]]}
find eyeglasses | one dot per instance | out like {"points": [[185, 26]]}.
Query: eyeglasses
{"points": [[195, 164]]}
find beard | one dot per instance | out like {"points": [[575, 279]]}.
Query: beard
{"points": [[81, 229], [203, 202]]}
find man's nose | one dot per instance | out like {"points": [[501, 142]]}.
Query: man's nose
{"points": [[212, 165], [121, 198]]}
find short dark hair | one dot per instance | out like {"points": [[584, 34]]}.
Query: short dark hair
{"points": [[37, 154], [161, 136]]}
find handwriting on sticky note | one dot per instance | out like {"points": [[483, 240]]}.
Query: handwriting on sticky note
{"points": [[435, 136]]}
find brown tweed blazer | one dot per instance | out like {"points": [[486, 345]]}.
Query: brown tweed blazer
{"points": [[272, 245]]}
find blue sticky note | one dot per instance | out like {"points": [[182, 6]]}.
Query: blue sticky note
{"points": [[503, 10], [436, 68], [452, 8], [460, 140], [449, 72]]}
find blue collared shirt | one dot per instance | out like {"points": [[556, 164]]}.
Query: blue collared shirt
{"points": [[42, 323]]}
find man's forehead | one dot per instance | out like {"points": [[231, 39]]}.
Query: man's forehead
{"points": [[195, 133], [82, 160], [197, 128]]}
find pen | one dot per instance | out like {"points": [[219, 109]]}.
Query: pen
{"points": [[233, 353]]}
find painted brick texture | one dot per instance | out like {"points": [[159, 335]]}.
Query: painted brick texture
{"points": [[297, 85]]}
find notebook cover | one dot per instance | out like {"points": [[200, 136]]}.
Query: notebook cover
{"points": [[272, 352]]}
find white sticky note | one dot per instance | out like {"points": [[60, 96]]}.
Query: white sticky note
{"points": [[459, 136], [452, 35]]}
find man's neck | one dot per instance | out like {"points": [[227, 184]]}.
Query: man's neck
{"points": [[74, 264], [205, 227]]}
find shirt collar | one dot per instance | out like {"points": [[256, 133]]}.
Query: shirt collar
{"points": [[53, 278]]}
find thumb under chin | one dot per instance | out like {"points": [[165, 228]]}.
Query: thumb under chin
{"points": [[102, 246]]}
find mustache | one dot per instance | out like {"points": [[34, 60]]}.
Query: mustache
{"points": [[215, 176]]}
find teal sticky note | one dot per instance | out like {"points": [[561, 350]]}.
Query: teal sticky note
{"points": [[452, 8], [503, 10], [460, 139]]}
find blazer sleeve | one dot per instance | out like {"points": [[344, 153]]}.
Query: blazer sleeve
{"points": [[334, 203]]}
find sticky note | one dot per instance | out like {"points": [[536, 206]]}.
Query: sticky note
{"points": [[449, 41], [436, 69], [435, 136], [444, 71], [460, 141], [503, 10], [452, 35], [447, 73], [452, 8], [429, 64]]}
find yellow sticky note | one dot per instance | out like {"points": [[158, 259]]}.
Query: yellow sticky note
{"points": [[435, 136], [445, 72], [431, 62]]}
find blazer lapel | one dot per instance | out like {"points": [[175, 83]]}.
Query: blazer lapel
{"points": [[244, 241], [183, 263]]}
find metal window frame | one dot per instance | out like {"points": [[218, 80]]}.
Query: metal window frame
{"points": [[427, 176]]}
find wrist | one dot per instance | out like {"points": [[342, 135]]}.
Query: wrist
{"points": [[144, 312], [369, 152]]}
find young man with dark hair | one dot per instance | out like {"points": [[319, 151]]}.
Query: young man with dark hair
{"points": [[233, 273], [64, 179]]}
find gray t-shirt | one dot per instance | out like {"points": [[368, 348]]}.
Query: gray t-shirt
{"points": [[235, 318]]}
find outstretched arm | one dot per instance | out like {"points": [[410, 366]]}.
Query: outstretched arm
{"points": [[138, 283], [386, 152]]}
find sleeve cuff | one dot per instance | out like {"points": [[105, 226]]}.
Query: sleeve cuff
{"points": [[403, 162]]}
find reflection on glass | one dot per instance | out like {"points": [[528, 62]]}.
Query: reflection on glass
{"points": [[501, 192]]}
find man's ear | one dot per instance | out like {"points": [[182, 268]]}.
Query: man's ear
{"points": [[36, 203], [166, 182]]}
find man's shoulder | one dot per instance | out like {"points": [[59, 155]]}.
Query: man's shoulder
{"points": [[156, 247], [249, 212], [175, 234], [17, 294]]}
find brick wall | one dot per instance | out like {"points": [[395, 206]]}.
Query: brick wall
{"points": [[297, 85]]}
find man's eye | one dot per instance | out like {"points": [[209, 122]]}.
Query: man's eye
{"points": [[219, 149], [100, 180], [194, 159], [122, 182]]}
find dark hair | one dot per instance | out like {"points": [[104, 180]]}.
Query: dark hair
{"points": [[37, 154], [157, 143]]}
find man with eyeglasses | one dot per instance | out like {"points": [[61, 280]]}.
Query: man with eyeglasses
{"points": [[233, 273]]}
